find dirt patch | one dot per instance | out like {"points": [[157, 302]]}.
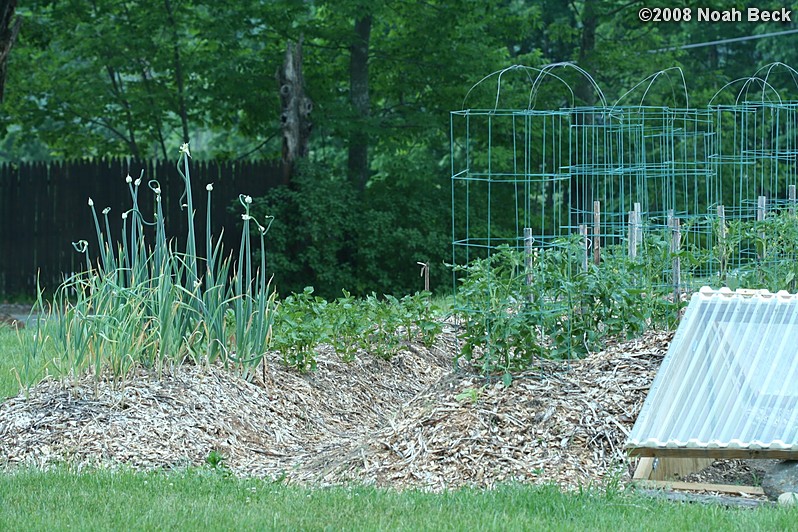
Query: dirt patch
{"points": [[733, 472], [413, 421], [14, 315]]}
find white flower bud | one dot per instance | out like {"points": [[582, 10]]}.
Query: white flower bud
{"points": [[209, 187], [106, 210], [157, 190], [128, 179], [247, 199], [184, 149], [124, 215], [137, 182], [246, 217], [91, 202]]}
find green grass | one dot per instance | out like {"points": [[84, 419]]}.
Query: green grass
{"points": [[202, 499], [11, 360]]}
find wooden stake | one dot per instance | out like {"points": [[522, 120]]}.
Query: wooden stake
{"points": [[585, 245], [632, 235], [529, 251], [425, 274], [722, 240], [701, 486], [761, 211], [676, 243], [596, 232], [791, 195], [639, 226]]}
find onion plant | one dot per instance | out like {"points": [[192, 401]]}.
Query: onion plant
{"points": [[150, 305]]}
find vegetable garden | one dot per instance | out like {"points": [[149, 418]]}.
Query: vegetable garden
{"points": [[573, 230]]}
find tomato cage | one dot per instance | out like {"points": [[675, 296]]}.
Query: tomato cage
{"points": [[756, 161], [555, 205]]}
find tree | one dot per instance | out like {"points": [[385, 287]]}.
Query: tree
{"points": [[139, 78], [8, 35], [358, 158], [296, 108]]}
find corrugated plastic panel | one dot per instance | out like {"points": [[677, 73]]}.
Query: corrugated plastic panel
{"points": [[729, 380]]}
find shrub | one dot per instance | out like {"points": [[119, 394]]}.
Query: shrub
{"points": [[330, 236]]}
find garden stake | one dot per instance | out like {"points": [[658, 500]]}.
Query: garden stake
{"points": [[676, 243], [761, 211], [722, 240], [596, 232], [529, 241], [425, 274]]}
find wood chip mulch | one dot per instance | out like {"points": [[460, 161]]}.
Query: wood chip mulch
{"points": [[412, 422]]}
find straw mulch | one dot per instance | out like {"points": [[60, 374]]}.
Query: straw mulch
{"points": [[413, 421]]}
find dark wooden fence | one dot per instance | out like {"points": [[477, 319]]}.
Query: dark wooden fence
{"points": [[44, 208]]}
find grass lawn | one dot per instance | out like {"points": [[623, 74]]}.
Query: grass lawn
{"points": [[204, 499], [11, 360]]}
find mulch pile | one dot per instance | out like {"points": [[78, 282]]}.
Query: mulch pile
{"points": [[414, 421]]}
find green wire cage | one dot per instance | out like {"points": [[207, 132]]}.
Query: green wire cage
{"points": [[681, 197]]}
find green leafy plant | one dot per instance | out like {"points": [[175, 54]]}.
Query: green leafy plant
{"points": [[566, 310], [385, 317], [299, 328], [470, 395], [215, 459], [499, 312], [348, 325], [148, 305]]}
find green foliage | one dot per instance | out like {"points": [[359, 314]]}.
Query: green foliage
{"points": [[380, 326], [81, 86], [20, 367], [349, 327], [759, 254], [148, 305], [300, 327], [564, 311], [329, 236], [499, 316], [215, 460]]}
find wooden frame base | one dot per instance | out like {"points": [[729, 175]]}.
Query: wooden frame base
{"points": [[717, 454], [667, 466], [699, 486]]}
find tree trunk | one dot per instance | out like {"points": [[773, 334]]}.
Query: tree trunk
{"points": [[118, 89], [178, 66], [358, 159], [8, 35], [295, 117], [580, 187]]}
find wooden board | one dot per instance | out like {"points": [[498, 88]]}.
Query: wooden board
{"points": [[728, 454], [674, 468], [644, 468], [700, 486], [669, 468]]}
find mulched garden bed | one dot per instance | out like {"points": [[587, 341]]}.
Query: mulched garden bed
{"points": [[415, 421]]}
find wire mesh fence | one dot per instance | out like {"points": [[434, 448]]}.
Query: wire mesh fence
{"points": [[662, 198]]}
